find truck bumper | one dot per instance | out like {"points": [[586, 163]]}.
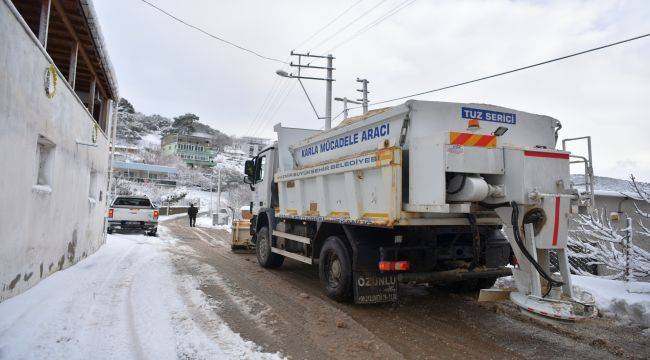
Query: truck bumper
{"points": [[453, 275], [132, 225]]}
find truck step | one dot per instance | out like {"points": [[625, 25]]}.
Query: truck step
{"points": [[292, 255], [301, 239]]}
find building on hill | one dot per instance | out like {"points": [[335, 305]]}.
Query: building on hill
{"points": [[196, 149], [235, 153], [251, 145], [164, 176], [57, 98], [124, 152]]}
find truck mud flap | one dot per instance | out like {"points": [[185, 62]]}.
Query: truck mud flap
{"points": [[373, 287]]}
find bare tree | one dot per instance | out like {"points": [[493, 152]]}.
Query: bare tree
{"points": [[238, 195], [645, 196], [600, 241]]}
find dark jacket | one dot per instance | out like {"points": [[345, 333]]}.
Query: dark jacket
{"points": [[192, 211]]}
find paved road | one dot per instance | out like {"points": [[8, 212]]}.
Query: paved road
{"points": [[284, 310]]}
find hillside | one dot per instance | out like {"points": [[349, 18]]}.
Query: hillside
{"points": [[608, 184], [134, 128]]}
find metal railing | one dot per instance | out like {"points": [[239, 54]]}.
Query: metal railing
{"points": [[587, 197]]}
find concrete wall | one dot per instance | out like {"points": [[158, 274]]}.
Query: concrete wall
{"points": [[44, 229], [616, 202]]}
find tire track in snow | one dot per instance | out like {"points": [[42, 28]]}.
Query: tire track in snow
{"points": [[218, 241]]}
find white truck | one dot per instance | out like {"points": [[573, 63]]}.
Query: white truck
{"points": [[133, 213], [423, 192]]}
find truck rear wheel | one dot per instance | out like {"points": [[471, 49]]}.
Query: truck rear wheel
{"points": [[335, 269], [265, 257]]}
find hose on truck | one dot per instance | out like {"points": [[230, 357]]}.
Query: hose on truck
{"points": [[514, 220]]}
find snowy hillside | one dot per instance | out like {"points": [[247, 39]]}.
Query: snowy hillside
{"points": [[136, 128], [607, 183]]}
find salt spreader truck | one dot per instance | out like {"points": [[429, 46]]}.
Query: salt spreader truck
{"points": [[423, 192]]}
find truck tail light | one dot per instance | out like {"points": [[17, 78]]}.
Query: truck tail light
{"points": [[513, 260], [155, 214], [110, 213], [394, 266]]}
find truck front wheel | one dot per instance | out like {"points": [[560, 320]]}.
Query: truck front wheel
{"points": [[335, 269], [265, 257]]}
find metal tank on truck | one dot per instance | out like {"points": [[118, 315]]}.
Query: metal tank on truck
{"points": [[423, 192]]}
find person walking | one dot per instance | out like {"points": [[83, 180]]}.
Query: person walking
{"points": [[191, 212]]}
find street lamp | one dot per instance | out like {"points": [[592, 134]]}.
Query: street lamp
{"points": [[345, 105]]}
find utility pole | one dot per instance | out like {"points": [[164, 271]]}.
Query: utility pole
{"points": [[328, 93], [219, 195], [211, 187], [345, 105], [364, 91], [329, 68]]}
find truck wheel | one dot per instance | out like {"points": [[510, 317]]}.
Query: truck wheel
{"points": [[265, 257], [109, 231], [335, 269]]}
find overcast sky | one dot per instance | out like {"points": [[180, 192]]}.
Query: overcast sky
{"points": [[166, 68]]}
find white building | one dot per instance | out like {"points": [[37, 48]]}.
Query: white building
{"points": [[251, 145], [57, 96], [163, 176]]}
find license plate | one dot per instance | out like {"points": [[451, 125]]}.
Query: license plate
{"points": [[371, 287]]}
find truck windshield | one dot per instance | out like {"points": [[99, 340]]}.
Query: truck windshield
{"points": [[142, 202]]}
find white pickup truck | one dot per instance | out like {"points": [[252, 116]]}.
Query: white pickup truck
{"points": [[133, 213]]}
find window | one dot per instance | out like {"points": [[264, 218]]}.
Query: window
{"points": [[45, 154], [125, 201], [92, 185], [261, 162]]}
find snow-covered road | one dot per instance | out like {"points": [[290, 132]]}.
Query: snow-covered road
{"points": [[126, 302]]}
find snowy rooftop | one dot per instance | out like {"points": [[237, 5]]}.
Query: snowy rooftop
{"points": [[144, 167], [617, 194]]}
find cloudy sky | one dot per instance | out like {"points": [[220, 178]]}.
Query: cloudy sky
{"points": [[166, 68]]}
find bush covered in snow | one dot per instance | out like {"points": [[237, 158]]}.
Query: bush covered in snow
{"points": [[157, 194]]}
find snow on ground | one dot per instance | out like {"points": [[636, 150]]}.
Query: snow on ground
{"points": [[204, 220], [150, 141], [125, 301], [627, 302]]}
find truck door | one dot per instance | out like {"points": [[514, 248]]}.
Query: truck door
{"points": [[264, 166]]}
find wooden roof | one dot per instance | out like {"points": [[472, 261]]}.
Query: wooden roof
{"points": [[70, 22]]}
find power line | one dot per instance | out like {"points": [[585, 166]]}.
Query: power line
{"points": [[512, 71], [264, 103], [276, 92], [328, 24], [376, 22], [212, 35], [271, 114], [349, 24]]}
